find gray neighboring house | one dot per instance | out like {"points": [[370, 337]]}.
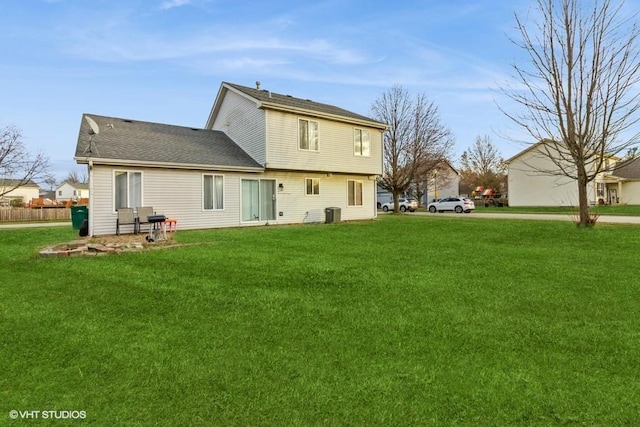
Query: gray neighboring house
{"points": [[262, 158]]}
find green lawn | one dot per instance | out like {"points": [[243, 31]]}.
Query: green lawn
{"points": [[402, 321]]}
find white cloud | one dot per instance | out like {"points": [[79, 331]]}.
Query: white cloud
{"points": [[170, 4]]}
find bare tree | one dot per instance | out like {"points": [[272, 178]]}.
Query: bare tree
{"points": [[17, 165], [483, 165], [76, 177], [579, 98], [50, 180], [415, 141]]}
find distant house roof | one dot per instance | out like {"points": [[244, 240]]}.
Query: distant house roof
{"points": [[10, 182], [629, 169], [76, 185], [271, 100], [132, 142]]}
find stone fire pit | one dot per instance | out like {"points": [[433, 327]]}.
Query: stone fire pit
{"points": [[103, 245]]}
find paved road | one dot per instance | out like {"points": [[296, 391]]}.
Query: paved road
{"points": [[611, 219]]}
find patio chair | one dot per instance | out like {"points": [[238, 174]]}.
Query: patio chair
{"points": [[144, 212], [125, 217]]}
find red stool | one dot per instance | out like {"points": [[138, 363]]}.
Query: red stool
{"points": [[171, 224]]}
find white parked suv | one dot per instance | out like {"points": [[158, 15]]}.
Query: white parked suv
{"points": [[456, 204], [405, 205]]}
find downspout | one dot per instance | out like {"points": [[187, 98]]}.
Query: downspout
{"points": [[90, 231]]}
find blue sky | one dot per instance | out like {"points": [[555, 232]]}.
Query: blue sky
{"points": [[163, 60]]}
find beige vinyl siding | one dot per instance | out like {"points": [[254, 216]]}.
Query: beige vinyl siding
{"points": [[239, 118], [630, 193], [336, 142], [528, 187], [174, 193], [298, 207], [26, 193], [178, 194]]}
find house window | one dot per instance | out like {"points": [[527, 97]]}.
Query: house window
{"points": [[59, 192], [213, 192], [308, 135], [127, 189], [361, 142], [355, 193], [313, 186]]}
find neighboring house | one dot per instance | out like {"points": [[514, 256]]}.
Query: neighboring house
{"points": [[24, 192], [72, 190], [383, 196], [263, 158], [530, 185], [444, 181], [620, 183]]}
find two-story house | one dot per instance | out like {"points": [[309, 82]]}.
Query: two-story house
{"points": [[262, 158], [19, 190], [72, 190], [534, 180]]}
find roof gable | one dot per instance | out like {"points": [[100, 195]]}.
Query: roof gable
{"points": [[127, 141], [271, 100]]}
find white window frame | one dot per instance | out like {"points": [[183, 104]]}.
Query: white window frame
{"points": [[129, 199], [360, 150], [315, 187], [311, 144], [357, 185], [216, 204]]}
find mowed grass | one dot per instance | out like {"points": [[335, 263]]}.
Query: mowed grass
{"points": [[404, 321]]}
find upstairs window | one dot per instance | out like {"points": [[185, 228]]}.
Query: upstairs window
{"points": [[308, 135], [361, 142], [313, 186]]}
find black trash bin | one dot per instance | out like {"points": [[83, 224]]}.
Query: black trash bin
{"points": [[332, 214], [79, 214]]}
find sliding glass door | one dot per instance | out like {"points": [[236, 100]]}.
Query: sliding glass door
{"points": [[258, 200]]}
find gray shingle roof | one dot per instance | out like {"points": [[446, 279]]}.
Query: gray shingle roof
{"points": [[629, 169], [146, 142], [289, 101], [10, 182]]}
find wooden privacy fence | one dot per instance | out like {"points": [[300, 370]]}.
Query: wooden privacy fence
{"points": [[38, 214]]}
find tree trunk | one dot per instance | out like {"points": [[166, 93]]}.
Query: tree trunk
{"points": [[585, 218]]}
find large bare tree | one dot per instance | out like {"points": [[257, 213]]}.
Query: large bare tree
{"points": [[482, 165], [579, 93], [415, 142], [77, 177], [17, 165]]}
